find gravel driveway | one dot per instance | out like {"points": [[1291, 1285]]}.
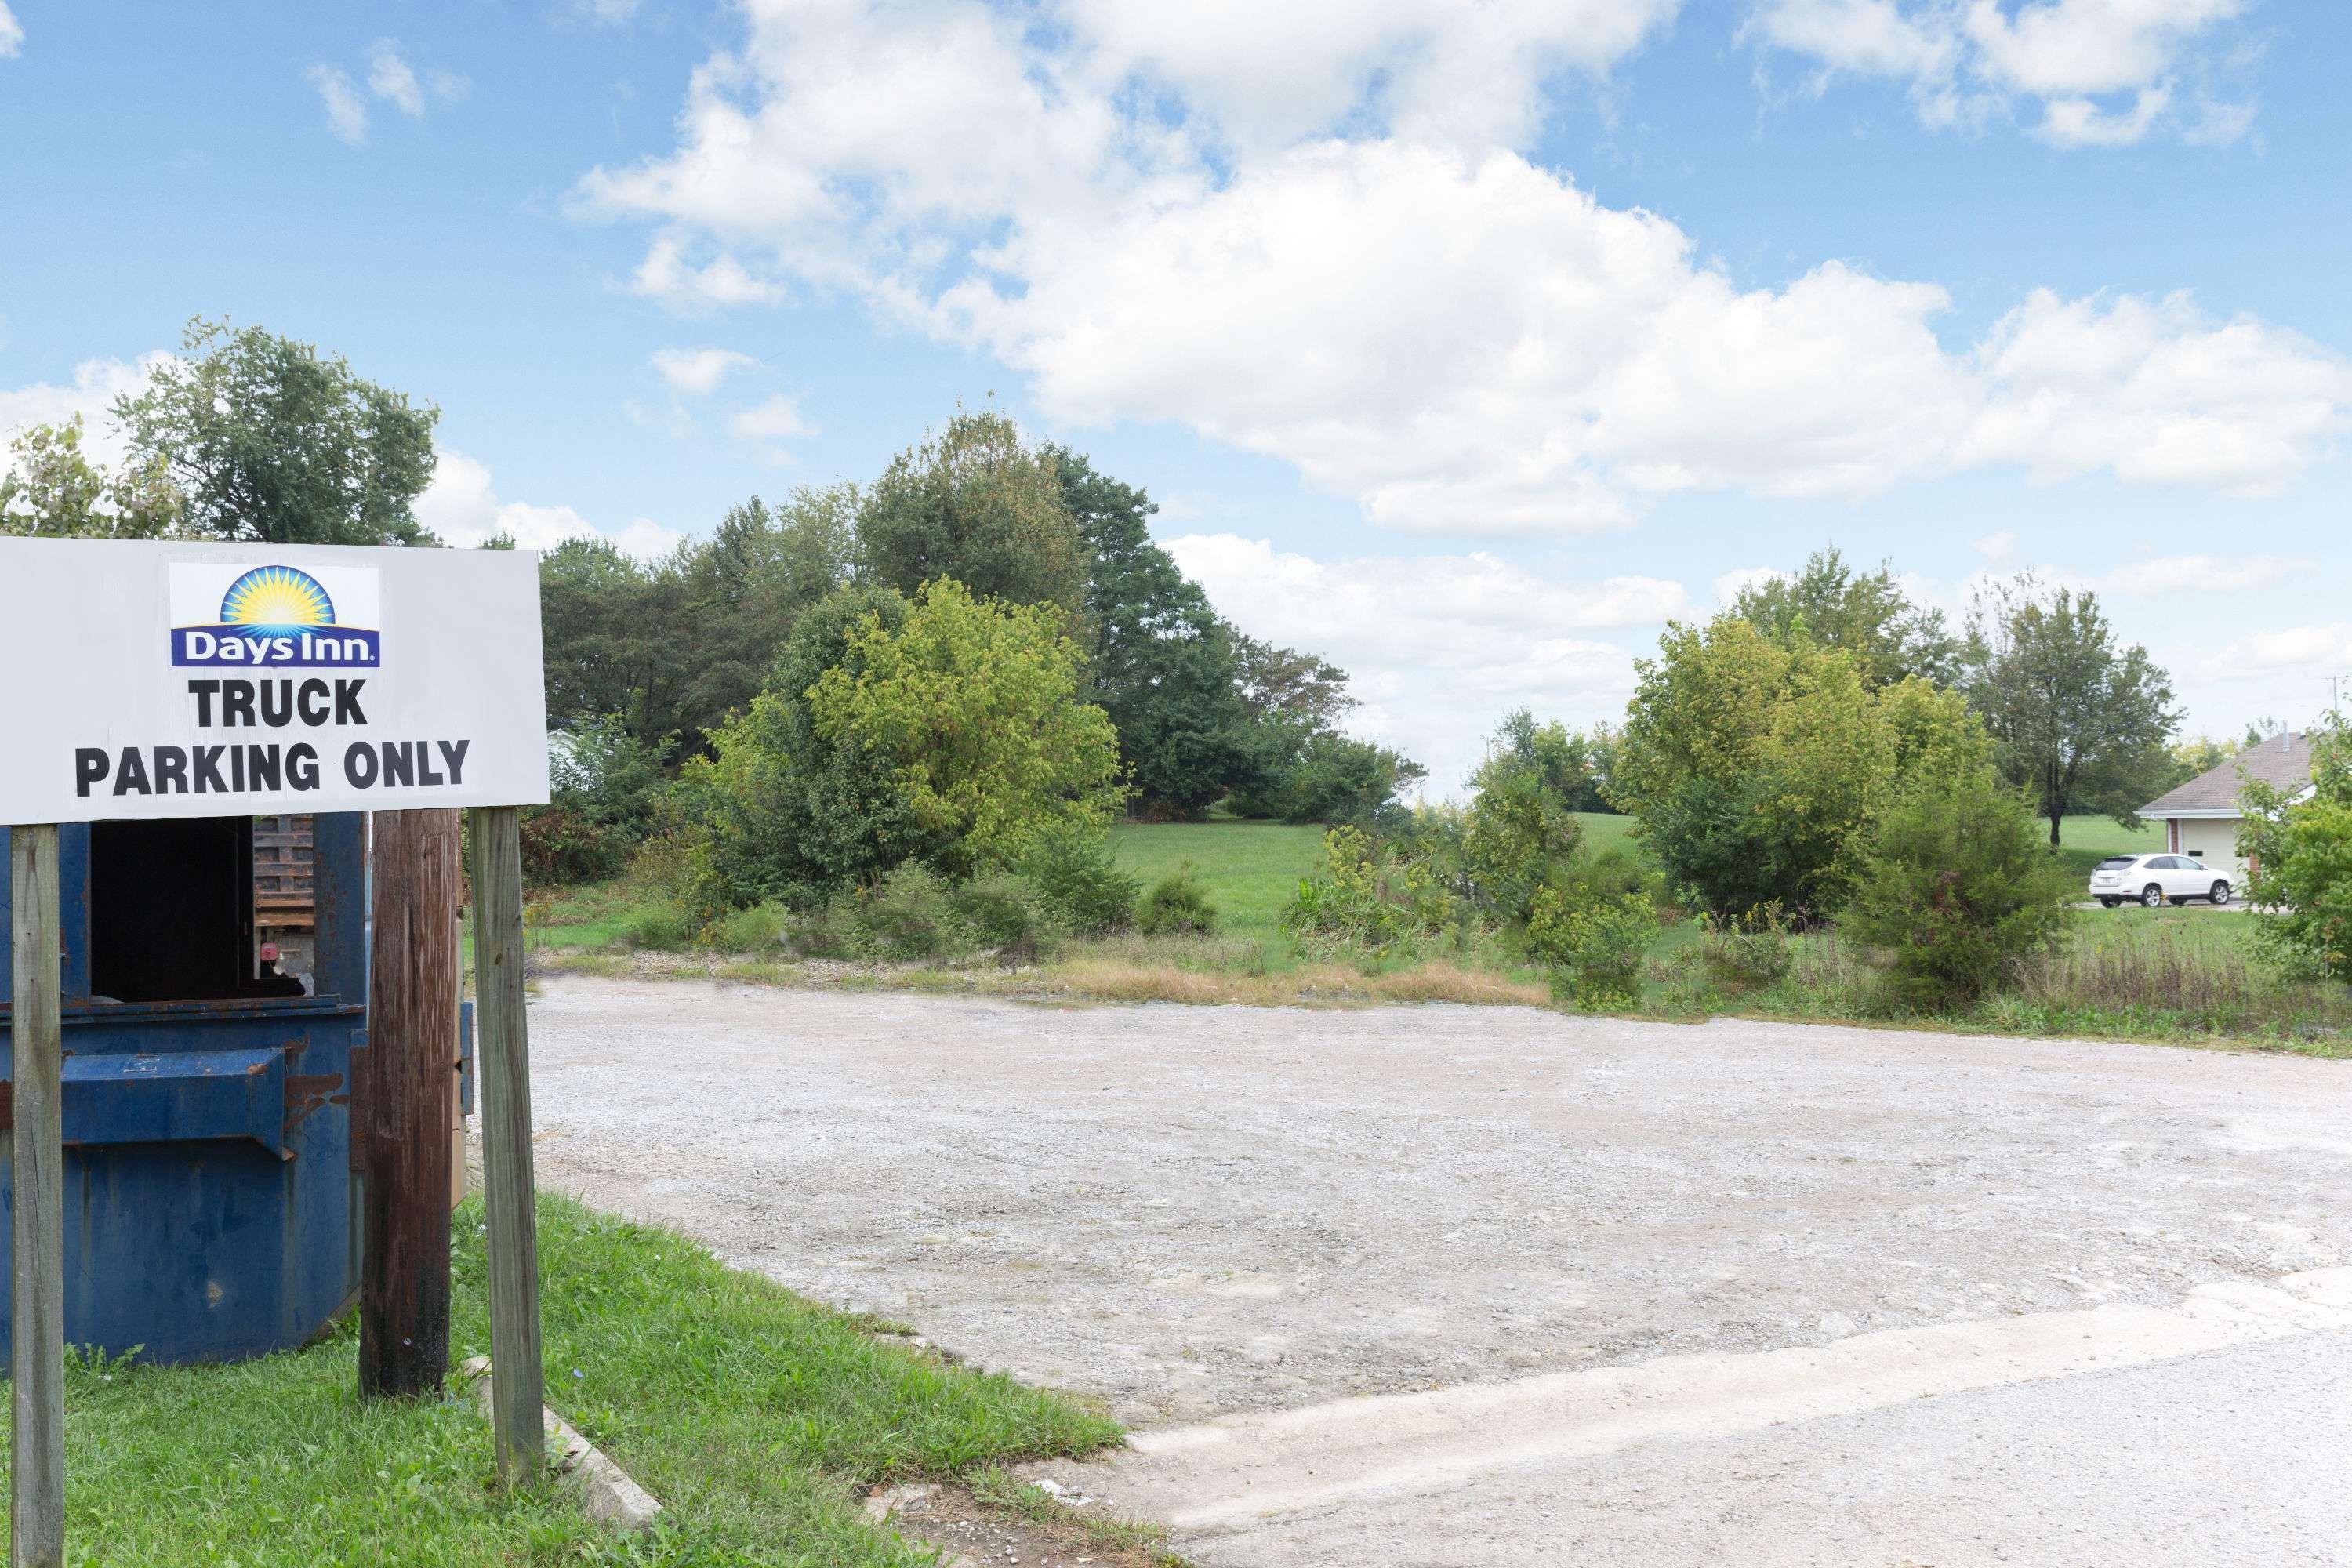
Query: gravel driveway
{"points": [[1211, 1212]]}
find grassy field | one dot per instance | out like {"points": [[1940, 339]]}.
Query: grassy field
{"points": [[2184, 976], [755, 1416], [1252, 869]]}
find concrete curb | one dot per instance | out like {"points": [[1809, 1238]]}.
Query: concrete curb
{"points": [[604, 1489]]}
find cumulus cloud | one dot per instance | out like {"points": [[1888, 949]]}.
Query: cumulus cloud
{"points": [[12, 33], [1402, 305], [696, 372], [1997, 546], [90, 395], [774, 422], [2311, 651], [2203, 573], [2101, 72], [462, 507], [1441, 646]]}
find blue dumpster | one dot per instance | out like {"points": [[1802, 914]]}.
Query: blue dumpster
{"points": [[210, 1206]]}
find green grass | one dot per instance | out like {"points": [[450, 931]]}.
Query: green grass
{"points": [[1250, 869], [2085, 841], [753, 1414], [2185, 976]]}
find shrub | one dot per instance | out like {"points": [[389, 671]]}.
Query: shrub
{"points": [[561, 848], [760, 927], [660, 929], [1955, 887], [1753, 948], [1077, 874], [1368, 898], [832, 929], [1594, 947], [908, 915], [1006, 912], [2305, 851], [1177, 905]]}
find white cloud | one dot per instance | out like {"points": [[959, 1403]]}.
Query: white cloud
{"points": [[96, 383], [1997, 547], [2203, 573], [347, 113], [2150, 390], [2308, 650], [2103, 72], [1439, 646], [463, 508], [668, 275], [696, 372], [12, 33], [608, 13], [390, 78], [1729, 586], [775, 421], [1411, 312]]}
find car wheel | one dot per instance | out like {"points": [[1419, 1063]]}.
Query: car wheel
{"points": [[2151, 897], [2221, 894], [2111, 903]]}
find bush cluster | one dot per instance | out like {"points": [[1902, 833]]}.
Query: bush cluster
{"points": [[1069, 885]]}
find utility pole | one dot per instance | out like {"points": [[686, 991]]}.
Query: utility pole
{"points": [[402, 1106]]}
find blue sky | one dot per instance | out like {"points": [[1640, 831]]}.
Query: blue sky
{"points": [[1463, 343]]}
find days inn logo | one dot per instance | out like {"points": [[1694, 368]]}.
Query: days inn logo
{"points": [[279, 617]]}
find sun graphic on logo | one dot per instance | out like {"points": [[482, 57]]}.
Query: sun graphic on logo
{"points": [[277, 601]]}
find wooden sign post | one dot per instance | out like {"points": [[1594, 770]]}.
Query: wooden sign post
{"points": [[401, 1106], [37, 1220], [518, 1394], [240, 680]]}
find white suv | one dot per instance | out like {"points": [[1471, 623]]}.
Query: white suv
{"points": [[2151, 880]]}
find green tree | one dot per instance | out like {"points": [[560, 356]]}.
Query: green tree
{"points": [[2199, 755], [1866, 615], [1161, 661], [976, 504], [1341, 779], [1753, 764], [1572, 765], [672, 648], [2078, 719], [1281, 683], [1955, 887], [51, 489], [2300, 847], [784, 809], [270, 441], [977, 706]]}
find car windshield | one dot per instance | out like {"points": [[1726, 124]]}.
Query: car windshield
{"points": [[2117, 862]]}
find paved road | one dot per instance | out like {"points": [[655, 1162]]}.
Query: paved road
{"points": [[1618, 1292]]}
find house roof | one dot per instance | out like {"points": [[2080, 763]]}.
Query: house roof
{"points": [[2284, 760]]}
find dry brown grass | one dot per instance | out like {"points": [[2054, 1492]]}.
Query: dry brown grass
{"points": [[1122, 970], [1117, 979]]}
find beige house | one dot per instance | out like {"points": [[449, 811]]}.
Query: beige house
{"points": [[2200, 819]]}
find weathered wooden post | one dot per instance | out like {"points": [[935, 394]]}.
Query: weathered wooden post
{"points": [[401, 1106], [36, 1411], [509, 1193]]}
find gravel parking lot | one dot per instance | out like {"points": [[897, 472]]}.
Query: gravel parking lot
{"points": [[1215, 1212]]}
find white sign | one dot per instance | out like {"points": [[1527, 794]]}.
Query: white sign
{"points": [[150, 680]]}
